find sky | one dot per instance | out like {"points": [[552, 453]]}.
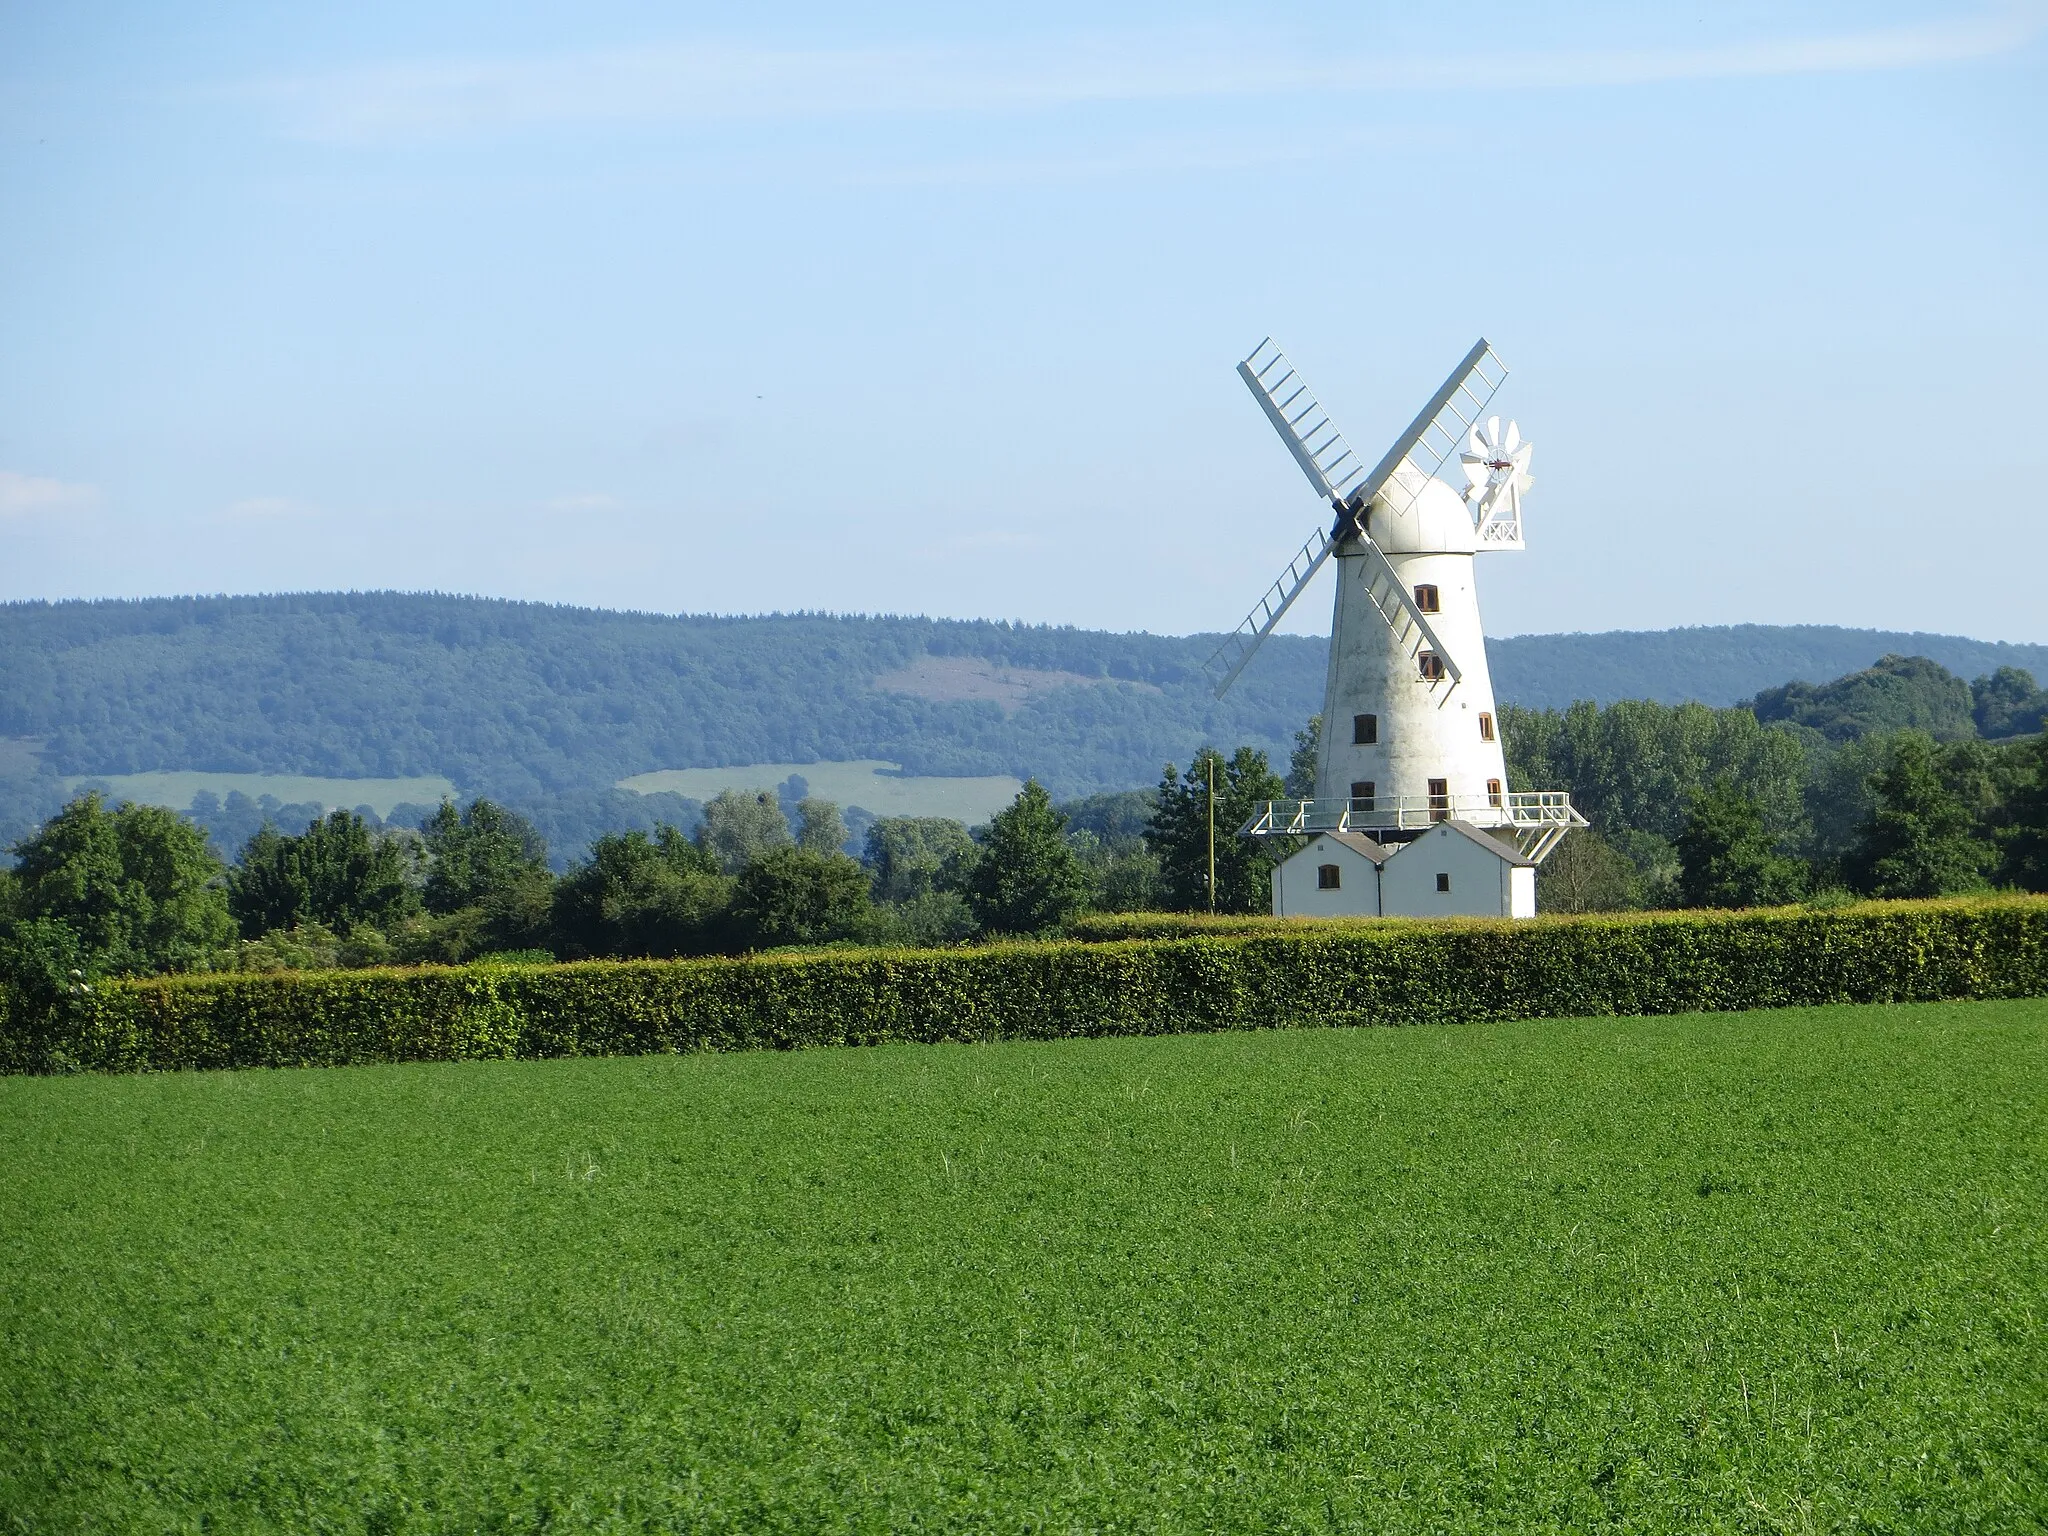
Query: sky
{"points": [[893, 309]]}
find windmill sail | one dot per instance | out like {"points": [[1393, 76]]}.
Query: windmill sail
{"points": [[1334, 470], [1304, 426], [1440, 429], [1389, 595], [1236, 652]]}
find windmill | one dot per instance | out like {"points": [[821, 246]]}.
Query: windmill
{"points": [[1410, 738]]}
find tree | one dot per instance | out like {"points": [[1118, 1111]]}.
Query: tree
{"points": [[797, 896], [1920, 838], [911, 856], [477, 852], [139, 887], [1726, 857], [337, 873], [820, 827], [1027, 879], [1586, 874], [1302, 762], [2026, 850], [2007, 703], [1179, 833], [638, 895], [739, 827]]}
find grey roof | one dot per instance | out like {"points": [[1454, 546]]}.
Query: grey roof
{"points": [[1494, 845], [1359, 843]]}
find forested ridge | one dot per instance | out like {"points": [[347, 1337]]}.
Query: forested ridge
{"points": [[545, 707], [523, 698]]}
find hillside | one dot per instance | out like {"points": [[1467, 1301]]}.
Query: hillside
{"points": [[533, 703]]}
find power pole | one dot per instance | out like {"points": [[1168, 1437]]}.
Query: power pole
{"points": [[1212, 835]]}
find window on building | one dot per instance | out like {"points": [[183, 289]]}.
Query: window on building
{"points": [[1485, 725], [1431, 665], [1443, 883], [1362, 793], [1439, 799], [1365, 730], [1425, 598], [1329, 877], [1493, 791]]}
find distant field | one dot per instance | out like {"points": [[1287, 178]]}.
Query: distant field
{"points": [[176, 789], [1749, 1272], [876, 786]]}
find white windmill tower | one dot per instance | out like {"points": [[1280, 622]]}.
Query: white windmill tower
{"points": [[1411, 812]]}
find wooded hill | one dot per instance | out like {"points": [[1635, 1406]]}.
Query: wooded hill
{"points": [[527, 702]]}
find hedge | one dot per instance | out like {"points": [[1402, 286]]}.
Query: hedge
{"points": [[1261, 975]]}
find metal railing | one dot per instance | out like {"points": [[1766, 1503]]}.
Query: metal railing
{"points": [[1539, 819]]}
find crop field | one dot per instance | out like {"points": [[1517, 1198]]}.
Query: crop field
{"points": [[1737, 1272]]}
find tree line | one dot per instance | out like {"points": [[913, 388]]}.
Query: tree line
{"points": [[1690, 806], [125, 889]]}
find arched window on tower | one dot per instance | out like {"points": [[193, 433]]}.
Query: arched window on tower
{"points": [[1485, 725]]}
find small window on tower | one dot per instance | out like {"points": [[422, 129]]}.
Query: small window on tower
{"points": [[1443, 883], [1365, 730], [1431, 666], [1329, 877], [1439, 799], [1485, 726], [1493, 791], [1362, 793], [1425, 598]]}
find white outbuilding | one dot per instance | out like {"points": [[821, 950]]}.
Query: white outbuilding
{"points": [[1453, 870]]}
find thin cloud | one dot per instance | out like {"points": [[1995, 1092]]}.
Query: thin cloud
{"points": [[703, 80], [33, 496], [267, 509]]}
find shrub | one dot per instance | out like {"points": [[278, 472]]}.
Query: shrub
{"points": [[1261, 973]]}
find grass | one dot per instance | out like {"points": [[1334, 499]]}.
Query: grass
{"points": [[1751, 1272]]}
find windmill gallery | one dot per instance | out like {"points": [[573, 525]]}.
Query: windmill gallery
{"points": [[1411, 815]]}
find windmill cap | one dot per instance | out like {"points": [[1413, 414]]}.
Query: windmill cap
{"points": [[1433, 521]]}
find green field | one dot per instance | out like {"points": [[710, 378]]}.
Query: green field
{"points": [[175, 789], [869, 783], [1748, 1272]]}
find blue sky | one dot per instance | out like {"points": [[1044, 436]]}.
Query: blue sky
{"points": [[906, 312]]}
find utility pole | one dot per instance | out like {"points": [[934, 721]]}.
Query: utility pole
{"points": [[1212, 835]]}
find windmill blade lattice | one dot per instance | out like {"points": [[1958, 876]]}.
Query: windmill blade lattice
{"points": [[1304, 426], [1319, 448]]}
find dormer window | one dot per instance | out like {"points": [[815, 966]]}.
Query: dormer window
{"points": [[1426, 598]]}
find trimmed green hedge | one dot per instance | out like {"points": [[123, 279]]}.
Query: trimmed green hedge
{"points": [[1273, 974]]}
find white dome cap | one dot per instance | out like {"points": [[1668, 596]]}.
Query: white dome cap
{"points": [[1434, 522]]}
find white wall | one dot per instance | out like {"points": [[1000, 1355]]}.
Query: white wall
{"points": [[1295, 893], [1482, 883], [1425, 732]]}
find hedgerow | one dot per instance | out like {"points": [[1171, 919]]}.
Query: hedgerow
{"points": [[1247, 973]]}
